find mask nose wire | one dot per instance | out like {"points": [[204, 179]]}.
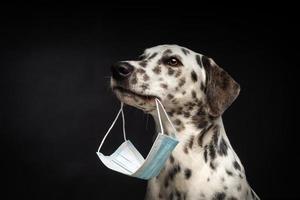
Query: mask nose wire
{"points": [[157, 101], [112, 125]]}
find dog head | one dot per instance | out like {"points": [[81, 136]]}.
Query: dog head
{"points": [[175, 75]]}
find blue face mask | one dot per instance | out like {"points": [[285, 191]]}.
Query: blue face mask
{"points": [[127, 160]]}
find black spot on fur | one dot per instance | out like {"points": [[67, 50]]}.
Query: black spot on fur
{"points": [[177, 194], [146, 77], [184, 196], [216, 134], [232, 198], [143, 63], [239, 187], [185, 51], [171, 159], [229, 173], [171, 71], [185, 149], [212, 165], [134, 79], [160, 196], [190, 106], [191, 142], [178, 73], [186, 114], [152, 56], [177, 122], [194, 76], [170, 96], [202, 134], [202, 87], [166, 182], [222, 147], [198, 59], [194, 95], [205, 154], [236, 165], [172, 173], [171, 113], [208, 179], [187, 173], [157, 70], [163, 85], [168, 51], [200, 119], [145, 86], [171, 196], [140, 70], [219, 196], [181, 82], [212, 151], [179, 111]]}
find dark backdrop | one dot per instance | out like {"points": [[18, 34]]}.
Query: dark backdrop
{"points": [[56, 103]]}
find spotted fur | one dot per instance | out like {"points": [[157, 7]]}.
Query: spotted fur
{"points": [[195, 92]]}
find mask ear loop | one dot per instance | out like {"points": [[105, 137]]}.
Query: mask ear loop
{"points": [[112, 125], [165, 113], [123, 121], [159, 119]]}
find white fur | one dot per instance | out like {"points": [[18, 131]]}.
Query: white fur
{"points": [[197, 186]]}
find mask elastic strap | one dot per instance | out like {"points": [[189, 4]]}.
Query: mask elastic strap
{"points": [[112, 125], [165, 113]]}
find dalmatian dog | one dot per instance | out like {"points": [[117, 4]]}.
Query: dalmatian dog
{"points": [[195, 92]]}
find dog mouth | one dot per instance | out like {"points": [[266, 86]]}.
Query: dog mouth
{"points": [[135, 95]]}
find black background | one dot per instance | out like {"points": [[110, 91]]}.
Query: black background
{"points": [[56, 103]]}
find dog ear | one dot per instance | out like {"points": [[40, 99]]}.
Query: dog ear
{"points": [[221, 89]]}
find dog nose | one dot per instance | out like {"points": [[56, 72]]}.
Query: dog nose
{"points": [[121, 70]]}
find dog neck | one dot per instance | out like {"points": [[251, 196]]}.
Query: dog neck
{"points": [[194, 135], [195, 127], [203, 153]]}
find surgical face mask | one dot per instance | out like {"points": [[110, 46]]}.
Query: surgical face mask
{"points": [[127, 159]]}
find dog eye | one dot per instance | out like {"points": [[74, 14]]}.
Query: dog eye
{"points": [[172, 61]]}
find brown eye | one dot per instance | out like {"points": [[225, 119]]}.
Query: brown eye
{"points": [[173, 61]]}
